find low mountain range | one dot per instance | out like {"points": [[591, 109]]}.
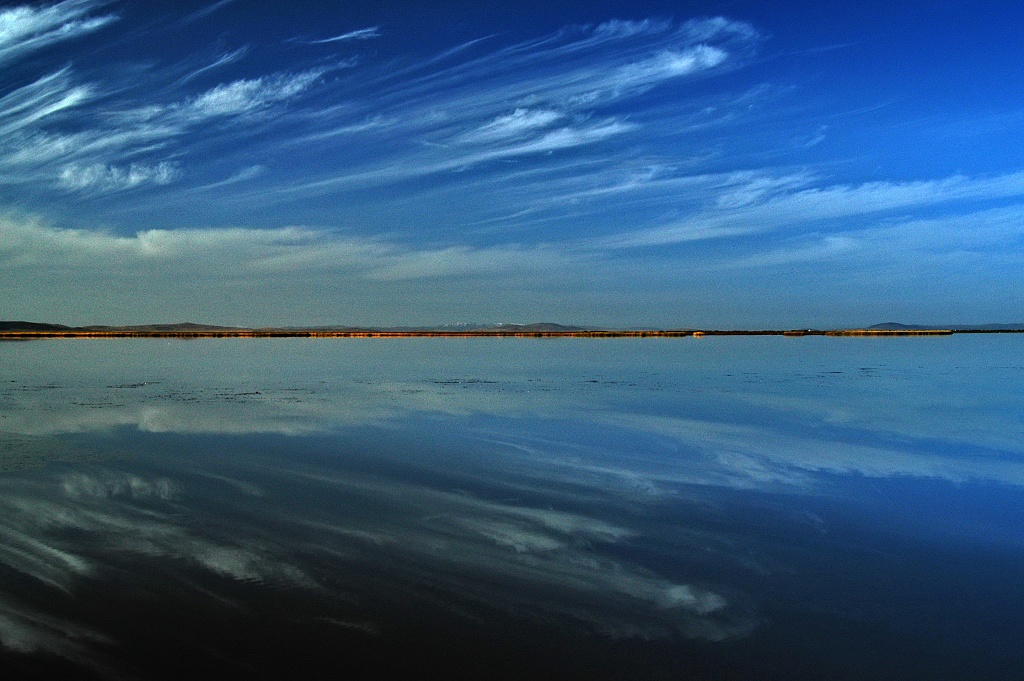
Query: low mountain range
{"points": [[180, 327], [540, 327], [896, 326]]}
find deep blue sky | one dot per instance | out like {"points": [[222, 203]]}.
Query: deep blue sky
{"points": [[729, 164]]}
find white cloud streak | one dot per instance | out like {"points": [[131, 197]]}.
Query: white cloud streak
{"points": [[747, 204], [514, 124], [25, 29], [206, 11], [99, 177], [664, 66], [101, 158], [222, 60], [526, 103], [27, 106], [279, 252], [245, 96], [538, 97], [360, 34]]}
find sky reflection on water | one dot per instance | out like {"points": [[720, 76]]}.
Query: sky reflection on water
{"points": [[675, 508]]}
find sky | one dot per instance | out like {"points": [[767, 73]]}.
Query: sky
{"points": [[641, 163]]}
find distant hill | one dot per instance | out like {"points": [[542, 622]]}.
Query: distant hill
{"points": [[896, 326], [180, 326], [526, 328], [330, 327], [470, 327], [183, 327], [31, 326], [190, 328]]}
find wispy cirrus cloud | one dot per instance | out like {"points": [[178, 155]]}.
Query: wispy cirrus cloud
{"points": [[245, 96], [746, 203], [582, 69], [92, 136], [222, 60], [98, 177], [360, 34], [24, 29], [38, 145], [205, 11], [981, 239], [524, 102], [514, 124], [25, 108], [663, 66], [519, 103]]}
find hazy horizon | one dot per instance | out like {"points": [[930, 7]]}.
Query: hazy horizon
{"points": [[498, 324]]}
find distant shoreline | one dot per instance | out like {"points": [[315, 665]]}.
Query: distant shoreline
{"points": [[319, 333]]}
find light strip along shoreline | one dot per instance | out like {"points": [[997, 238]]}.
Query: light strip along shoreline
{"points": [[316, 333]]}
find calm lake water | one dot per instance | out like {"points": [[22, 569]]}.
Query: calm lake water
{"points": [[716, 508]]}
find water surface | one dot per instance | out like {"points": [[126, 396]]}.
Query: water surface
{"points": [[728, 507]]}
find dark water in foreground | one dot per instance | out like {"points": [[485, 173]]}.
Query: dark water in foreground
{"points": [[718, 508]]}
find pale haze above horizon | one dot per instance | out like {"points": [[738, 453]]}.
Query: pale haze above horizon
{"points": [[644, 163]]}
